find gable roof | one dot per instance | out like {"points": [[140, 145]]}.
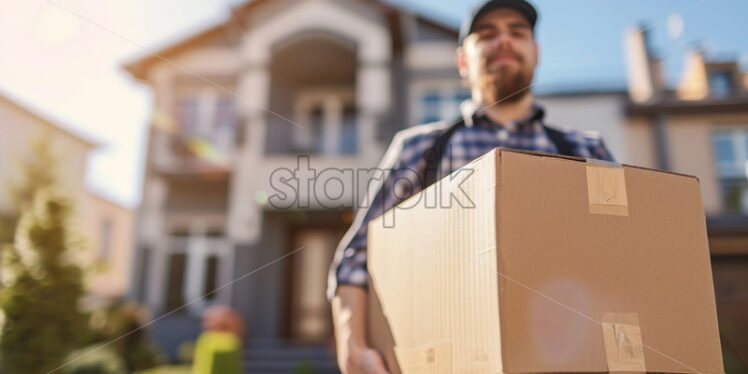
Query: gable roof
{"points": [[47, 120], [228, 29]]}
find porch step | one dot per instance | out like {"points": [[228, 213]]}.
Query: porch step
{"points": [[276, 357]]}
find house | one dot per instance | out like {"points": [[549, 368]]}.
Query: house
{"points": [[110, 230], [329, 79], [21, 126], [105, 226], [233, 104], [700, 127]]}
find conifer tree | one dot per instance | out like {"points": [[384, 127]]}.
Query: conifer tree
{"points": [[43, 286]]}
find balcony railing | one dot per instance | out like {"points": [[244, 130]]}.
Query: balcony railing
{"points": [[283, 137], [174, 153]]}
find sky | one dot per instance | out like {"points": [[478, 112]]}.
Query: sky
{"points": [[63, 58]]}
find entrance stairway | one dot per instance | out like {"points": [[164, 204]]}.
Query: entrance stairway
{"points": [[280, 356]]}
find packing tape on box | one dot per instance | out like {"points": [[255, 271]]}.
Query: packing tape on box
{"points": [[623, 342], [606, 188], [428, 358]]}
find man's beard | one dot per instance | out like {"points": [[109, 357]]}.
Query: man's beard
{"points": [[505, 85]]}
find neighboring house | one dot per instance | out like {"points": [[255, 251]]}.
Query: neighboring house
{"points": [[110, 230], [105, 226], [700, 127], [20, 126]]}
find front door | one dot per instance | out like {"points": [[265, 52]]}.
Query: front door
{"points": [[310, 317]]}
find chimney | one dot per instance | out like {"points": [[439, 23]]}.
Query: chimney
{"points": [[693, 84], [645, 78]]}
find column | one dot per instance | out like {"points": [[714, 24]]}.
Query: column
{"points": [[373, 101], [197, 251], [332, 118], [244, 213]]}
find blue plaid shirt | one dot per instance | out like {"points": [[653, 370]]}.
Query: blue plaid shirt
{"points": [[404, 166]]}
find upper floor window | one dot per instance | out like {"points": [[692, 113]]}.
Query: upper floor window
{"points": [[325, 122], [308, 136], [720, 83], [208, 114], [187, 113], [348, 130], [730, 148], [440, 103]]}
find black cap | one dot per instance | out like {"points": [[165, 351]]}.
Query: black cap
{"points": [[522, 6]]}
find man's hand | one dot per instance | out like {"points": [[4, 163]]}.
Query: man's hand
{"points": [[349, 319], [362, 361]]}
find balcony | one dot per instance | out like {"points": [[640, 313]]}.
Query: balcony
{"points": [[317, 94], [315, 138], [176, 154]]}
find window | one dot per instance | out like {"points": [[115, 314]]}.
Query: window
{"points": [[224, 136], [175, 286], [440, 103], [431, 106], [730, 148], [720, 83], [461, 96], [309, 138], [211, 277], [724, 150], [209, 116], [349, 131], [105, 240], [187, 114], [327, 124]]}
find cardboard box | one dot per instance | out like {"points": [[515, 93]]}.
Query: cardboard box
{"points": [[547, 264]]}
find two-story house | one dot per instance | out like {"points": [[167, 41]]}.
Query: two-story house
{"points": [[329, 79], [700, 127]]}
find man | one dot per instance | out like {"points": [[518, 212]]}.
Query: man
{"points": [[497, 56]]}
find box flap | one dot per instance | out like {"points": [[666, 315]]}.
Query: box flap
{"points": [[582, 159]]}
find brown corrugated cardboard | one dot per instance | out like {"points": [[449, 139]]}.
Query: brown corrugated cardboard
{"points": [[545, 264]]}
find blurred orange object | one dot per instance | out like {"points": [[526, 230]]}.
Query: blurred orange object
{"points": [[223, 318]]}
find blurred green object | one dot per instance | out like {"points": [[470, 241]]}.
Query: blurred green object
{"points": [[217, 352], [95, 359], [121, 324], [732, 362], [305, 367], [35, 174], [43, 321], [186, 352], [7, 228], [728, 330]]}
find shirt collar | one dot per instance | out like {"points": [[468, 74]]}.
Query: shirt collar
{"points": [[473, 115]]}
